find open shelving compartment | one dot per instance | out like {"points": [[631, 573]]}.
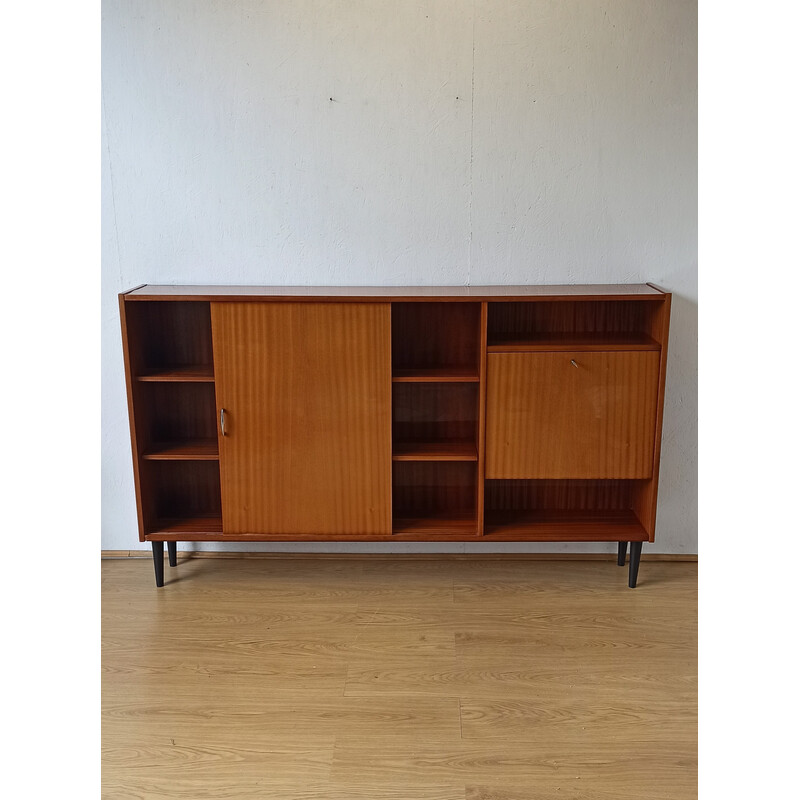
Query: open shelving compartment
{"points": [[172, 369], [568, 510], [574, 324], [435, 421], [170, 341], [436, 374], [183, 497], [436, 342], [434, 497]]}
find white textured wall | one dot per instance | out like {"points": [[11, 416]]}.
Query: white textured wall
{"points": [[348, 142]]}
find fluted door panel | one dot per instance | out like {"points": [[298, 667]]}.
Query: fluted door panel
{"points": [[305, 392], [556, 415]]}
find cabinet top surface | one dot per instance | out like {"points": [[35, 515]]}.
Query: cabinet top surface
{"points": [[376, 293]]}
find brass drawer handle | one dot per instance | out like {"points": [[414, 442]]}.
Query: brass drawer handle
{"points": [[222, 421], [573, 362]]}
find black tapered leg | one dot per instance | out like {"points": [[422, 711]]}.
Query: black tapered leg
{"points": [[172, 549], [158, 562], [633, 568], [622, 551]]}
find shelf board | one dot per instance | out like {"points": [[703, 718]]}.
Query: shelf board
{"points": [[509, 343], [195, 373], [197, 450], [436, 375], [434, 451], [199, 523], [459, 524], [554, 526]]}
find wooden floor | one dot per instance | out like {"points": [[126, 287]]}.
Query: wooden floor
{"points": [[444, 678]]}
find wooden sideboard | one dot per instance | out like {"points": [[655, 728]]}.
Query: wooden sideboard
{"points": [[490, 414]]}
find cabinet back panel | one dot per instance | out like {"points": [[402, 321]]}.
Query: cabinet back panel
{"points": [[169, 335], [537, 319], [434, 412], [173, 412], [559, 495], [179, 490], [423, 489], [429, 335]]}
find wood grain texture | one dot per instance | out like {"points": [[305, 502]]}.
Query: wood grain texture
{"points": [[548, 418], [563, 510], [169, 336], [434, 451], [646, 500], [431, 678], [435, 412], [435, 336], [583, 342], [192, 450], [190, 374], [130, 365], [481, 423], [398, 293], [441, 492], [306, 391], [440, 385], [435, 375], [182, 496]]}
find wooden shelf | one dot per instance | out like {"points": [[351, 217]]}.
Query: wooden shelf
{"points": [[190, 524], [435, 451], [199, 450], [452, 522], [196, 373], [571, 341], [436, 375], [573, 526]]}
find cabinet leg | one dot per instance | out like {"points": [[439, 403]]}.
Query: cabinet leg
{"points": [[633, 567], [158, 562], [622, 551], [172, 549]]}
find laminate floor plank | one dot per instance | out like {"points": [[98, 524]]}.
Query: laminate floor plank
{"points": [[509, 764], [132, 785], [388, 678], [306, 715]]}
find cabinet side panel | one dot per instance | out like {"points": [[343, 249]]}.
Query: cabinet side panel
{"points": [[480, 484], [646, 499], [307, 399], [128, 358]]}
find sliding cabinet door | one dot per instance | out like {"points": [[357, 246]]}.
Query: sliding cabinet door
{"points": [[304, 410]]}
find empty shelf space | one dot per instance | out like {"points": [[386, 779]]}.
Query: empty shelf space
{"points": [[436, 337], [575, 325], [434, 497], [447, 522], [510, 343], [436, 375], [188, 524], [435, 451], [195, 373], [198, 450], [554, 526], [564, 510]]}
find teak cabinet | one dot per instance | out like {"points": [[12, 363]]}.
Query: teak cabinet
{"points": [[528, 413]]}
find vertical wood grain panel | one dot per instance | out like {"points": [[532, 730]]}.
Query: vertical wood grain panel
{"points": [[131, 366], [479, 498], [307, 397], [549, 419], [646, 499]]}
